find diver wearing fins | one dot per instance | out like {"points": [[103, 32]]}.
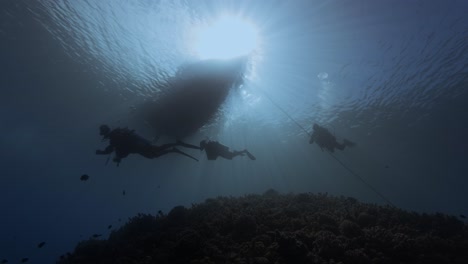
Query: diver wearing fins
{"points": [[124, 142], [325, 139], [214, 149]]}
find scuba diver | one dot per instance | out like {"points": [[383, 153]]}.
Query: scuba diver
{"points": [[326, 140], [124, 142], [214, 149]]}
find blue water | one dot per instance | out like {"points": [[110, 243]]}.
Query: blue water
{"points": [[391, 76]]}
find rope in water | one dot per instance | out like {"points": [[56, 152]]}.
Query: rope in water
{"points": [[362, 180], [333, 156], [284, 112]]}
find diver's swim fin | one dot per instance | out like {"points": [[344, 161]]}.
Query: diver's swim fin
{"points": [[252, 157], [183, 144], [183, 153]]}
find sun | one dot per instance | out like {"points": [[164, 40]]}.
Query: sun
{"points": [[226, 38]]}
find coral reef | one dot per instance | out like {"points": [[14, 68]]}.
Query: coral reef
{"points": [[276, 228]]}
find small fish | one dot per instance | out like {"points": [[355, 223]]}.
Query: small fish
{"points": [[123, 192], [120, 219], [4, 261], [97, 235], [159, 186], [41, 244], [62, 257], [386, 166], [84, 177], [23, 260], [109, 227], [463, 216]]}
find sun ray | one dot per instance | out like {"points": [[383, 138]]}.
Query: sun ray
{"points": [[226, 38]]}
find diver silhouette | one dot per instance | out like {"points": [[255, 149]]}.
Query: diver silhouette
{"points": [[214, 149], [325, 139], [124, 142]]}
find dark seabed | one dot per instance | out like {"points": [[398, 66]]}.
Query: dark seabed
{"points": [[391, 76]]}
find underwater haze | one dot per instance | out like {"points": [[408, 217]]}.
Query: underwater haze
{"points": [[391, 76]]}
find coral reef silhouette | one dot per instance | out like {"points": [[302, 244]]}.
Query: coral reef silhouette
{"points": [[281, 228]]}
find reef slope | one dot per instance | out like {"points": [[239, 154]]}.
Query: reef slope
{"points": [[277, 228]]}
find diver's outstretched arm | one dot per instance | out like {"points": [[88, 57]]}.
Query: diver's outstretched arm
{"points": [[106, 151]]}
